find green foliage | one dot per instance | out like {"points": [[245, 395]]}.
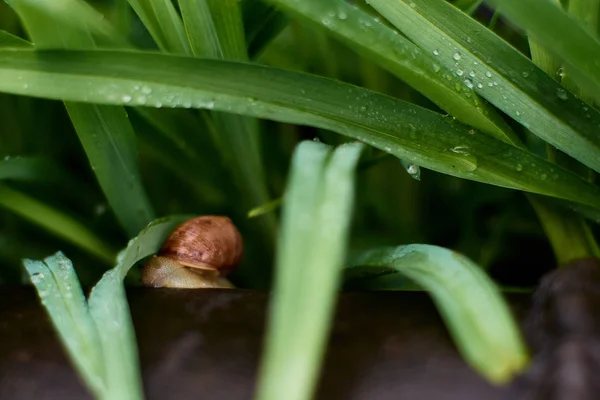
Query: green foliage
{"points": [[197, 106]]}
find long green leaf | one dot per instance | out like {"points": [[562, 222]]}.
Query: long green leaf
{"points": [[559, 32], [500, 74], [99, 334], [163, 23], [105, 132], [407, 131], [109, 308], [422, 70], [55, 221], [71, 16], [469, 302], [215, 30], [316, 219], [61, 294]]}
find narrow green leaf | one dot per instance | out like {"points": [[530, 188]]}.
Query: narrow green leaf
{"points": [[419, 69], [215, 30], [8, 40], [316, 219], [500, 74], [54, 221], [60, 292], [407, 131], [105, 132], [71, 16], [559, 32], [470, 304], [109, 308], [163, 23]]}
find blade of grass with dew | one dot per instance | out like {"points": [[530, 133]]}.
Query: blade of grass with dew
{"points": [[164, 24], [316, 223], [407, 131], [61, 294], [500, 74], [7, 40], [105, 132], [558, 32], [52, 220], [419, 69], [471, 305], [109, 308], [215, 30]]}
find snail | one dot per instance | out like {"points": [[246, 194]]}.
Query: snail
{"points": [[199, 253]]}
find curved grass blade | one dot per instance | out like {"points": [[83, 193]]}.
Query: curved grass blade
{"points": [[407, 131], [500, 74], [105, 132], [98, 334], [316, 219], [419, 69], [109, 308], [54, 221], [61, 294], [470, 304]]}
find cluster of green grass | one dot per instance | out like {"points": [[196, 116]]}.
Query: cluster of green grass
{"points": [[437, 124]]}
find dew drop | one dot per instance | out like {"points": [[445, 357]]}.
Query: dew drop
{"points": [[126, 98], [525, 74], [436, 52], [460, 72], [468, 83], [561, 94], [460, 150], [456, 56], [342, 15], [436, 68], [519, 167], [479, 85]]}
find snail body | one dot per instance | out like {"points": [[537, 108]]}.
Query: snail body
{"points": [[199, 253]]}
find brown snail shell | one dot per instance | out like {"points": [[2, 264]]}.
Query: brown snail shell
{"points": [[199, 253]]}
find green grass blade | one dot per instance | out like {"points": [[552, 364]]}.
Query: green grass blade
{"points": [[163, 23], [316, 219], [71, 16], [109, 308], [559, 32], [61, 294], [470, 304], [7, 40], [419, 69], [62, 225], [407, 131], [215, 30], [105, 132], [500, 74]]}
